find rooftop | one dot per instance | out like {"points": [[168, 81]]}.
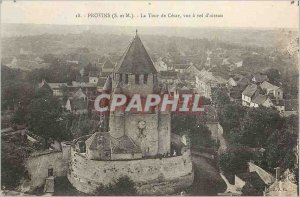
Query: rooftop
{"points": [[136, 60], [260, 99], [250, 90], [268, 86]]}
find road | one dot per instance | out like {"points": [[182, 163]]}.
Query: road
{"points": [[223, 144], [207, 181]]}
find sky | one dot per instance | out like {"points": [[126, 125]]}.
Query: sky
{"points": [[260, 14]]}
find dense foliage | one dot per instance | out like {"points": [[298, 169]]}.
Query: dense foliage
{"points": [[124, 186], [261, 129], [46, 119], [198, 133], [13, 154]]}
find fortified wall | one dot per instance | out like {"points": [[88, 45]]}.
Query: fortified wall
{"points": [[41, 165], [151, 176]]}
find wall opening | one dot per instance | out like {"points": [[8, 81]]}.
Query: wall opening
{"points": [[50, 172]]}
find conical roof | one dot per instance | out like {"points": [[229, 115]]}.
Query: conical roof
{"points": [[135, 60]]}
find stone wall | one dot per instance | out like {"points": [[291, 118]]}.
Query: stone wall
{"points": [[38, 164], [151, 176], [153, 139], [164, 133], [147, 139]]}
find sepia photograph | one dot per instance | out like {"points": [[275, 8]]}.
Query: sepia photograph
{"points": [[149, 98]]}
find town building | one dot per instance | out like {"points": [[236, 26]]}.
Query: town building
{"points": [[250, 93], [206, 82], [168, 77], [258, 78], [272, 90]]}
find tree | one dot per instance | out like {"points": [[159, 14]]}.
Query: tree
{"points": [[13, 157], [189, 125], [220, 97], [280, 151], [234, 162], [124, 186], [20, 115], [45, 119], [231, 116], [273, 75], [258, 124]]}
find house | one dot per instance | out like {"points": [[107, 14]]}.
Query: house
{"points": [[261, 100], [259, 78], [168, 77], [206, 81], [77, 106], [272, 90], [100, 83], [57, 88], [160, 65], [250, 93], [80, 95], [181, 67], [238, 81], [279, 104], [93, 77], [192, 70], [107, 68], [251, 182], [236, 85]]}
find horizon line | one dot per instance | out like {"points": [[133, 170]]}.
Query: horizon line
{"points": [[157, 26]]}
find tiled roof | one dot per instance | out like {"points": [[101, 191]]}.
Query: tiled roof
{"points": [[99, 140], [268, 86], [103, 141], [250, 90], [125, 145], [260, 99], [135, 60], [79, 94], [260, 77]]}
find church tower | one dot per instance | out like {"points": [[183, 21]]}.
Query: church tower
{"points": [[136, 74]]}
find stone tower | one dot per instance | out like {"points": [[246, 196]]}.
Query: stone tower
{"points": [[136, 74]]}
